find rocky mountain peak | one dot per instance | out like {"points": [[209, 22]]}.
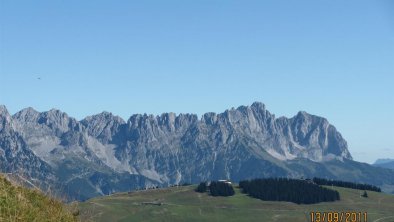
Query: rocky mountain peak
{"points": [[59, 121], [27, 115], [103, 118], [308, 120], [168, 120], [302, 114], [31, 122], [56, 114], [3, 110], [258, 106], [103, 126], [209, 118], [5, 118], [240, 143]]}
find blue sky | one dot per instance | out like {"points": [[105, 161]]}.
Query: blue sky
{"points": [[331, 58]]}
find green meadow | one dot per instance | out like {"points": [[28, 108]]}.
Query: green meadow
{"points": [[184, 204]]}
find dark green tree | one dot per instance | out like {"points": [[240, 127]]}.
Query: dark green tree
{"points": [[339, 183], [202, 187], [217, 188], [292, 190], [365, 194]]}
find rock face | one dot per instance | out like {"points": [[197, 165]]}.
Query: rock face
{"points": [[56, 150], [17, 157], [103, 153], [168, 148]]}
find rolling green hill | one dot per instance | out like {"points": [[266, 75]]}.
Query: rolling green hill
{"points": [[184, 204]]}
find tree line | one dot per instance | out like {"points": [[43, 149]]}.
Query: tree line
{"points": [[292, 190], [338, 183], [216, 188]]}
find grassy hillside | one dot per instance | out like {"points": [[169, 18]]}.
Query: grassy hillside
{"points": [[183, 204], [22, 204]]}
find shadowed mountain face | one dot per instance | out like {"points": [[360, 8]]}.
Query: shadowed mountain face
{"points": [[17, 158], [103, 153], [14, 153]]}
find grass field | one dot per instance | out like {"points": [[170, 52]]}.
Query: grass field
{"points": [[183, 204], [22, 204]]}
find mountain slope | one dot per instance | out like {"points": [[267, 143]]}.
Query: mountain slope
{"points": [[22, 204], [103, 153], [385, 163], [184, 204], [17, 157], [80, 161]]}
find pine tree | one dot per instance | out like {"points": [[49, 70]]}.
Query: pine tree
{"points": [[365, 194], [202, 187], [217, 188], [338, 183], [292, 190]]}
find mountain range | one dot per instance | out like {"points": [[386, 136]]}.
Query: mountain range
{"points": [[103, 153], [385, 163]]}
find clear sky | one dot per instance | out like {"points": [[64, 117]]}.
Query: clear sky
{"points": [[332, 58]]}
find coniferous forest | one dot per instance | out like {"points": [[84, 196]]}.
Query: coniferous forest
{"points": [[202, 187], [292, 190], [338, 183], [221, 189], [216, 188]]}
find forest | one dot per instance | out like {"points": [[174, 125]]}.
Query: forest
{"points": [[339, 183], [216, 188], [292, 190]]}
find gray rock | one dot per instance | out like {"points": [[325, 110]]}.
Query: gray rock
{"points": [[103, 153], [17, 158]]}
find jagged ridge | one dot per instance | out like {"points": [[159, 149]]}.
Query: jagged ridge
{"points": [[103, 153]]}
